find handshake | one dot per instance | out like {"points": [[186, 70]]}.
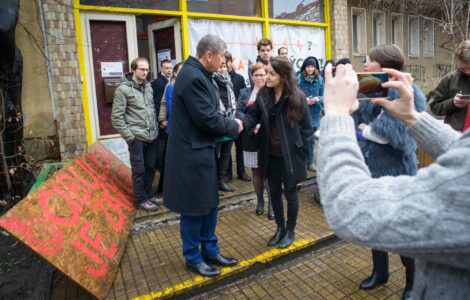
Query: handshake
{"points": [[240, 125]]}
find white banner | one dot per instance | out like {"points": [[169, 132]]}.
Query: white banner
{"points": [[241, 39], [301, 43]]}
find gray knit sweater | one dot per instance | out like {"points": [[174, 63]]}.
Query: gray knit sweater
{"points": [[426, 216]]}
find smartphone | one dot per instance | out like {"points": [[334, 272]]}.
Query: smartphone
{"points": [[370, 85], [466, 97]]}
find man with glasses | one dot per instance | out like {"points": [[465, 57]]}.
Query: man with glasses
{"points": [[452, 95], [133, 116]]}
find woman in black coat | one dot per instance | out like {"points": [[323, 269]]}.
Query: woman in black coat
{"points": [[285, 134]]}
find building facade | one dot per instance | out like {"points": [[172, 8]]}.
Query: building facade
{"points": [[84, 46]]}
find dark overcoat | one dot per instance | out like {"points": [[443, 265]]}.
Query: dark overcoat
{"points": [[190, 186], [294, 140]]}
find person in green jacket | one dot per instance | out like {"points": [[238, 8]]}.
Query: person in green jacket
{"points": [[133, 116]]}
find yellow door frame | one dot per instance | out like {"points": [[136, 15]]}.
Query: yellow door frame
{"points": [[184, 15]]}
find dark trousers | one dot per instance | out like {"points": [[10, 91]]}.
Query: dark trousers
{"points": [[276, 179], [223, 154], [143, 157], [161, 145], [311, 150], [162, 168], [239, 158], [199, 231]]}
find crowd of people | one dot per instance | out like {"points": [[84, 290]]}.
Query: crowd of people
{"points": [[191, 115]]}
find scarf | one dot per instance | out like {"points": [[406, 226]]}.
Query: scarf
{"points": [[310, 78]]}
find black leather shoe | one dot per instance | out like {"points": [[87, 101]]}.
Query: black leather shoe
{"points": [[203, 269], [372, 281], [287, 239], [276, 237], [221, 260], [225, 187], [260, 208]]}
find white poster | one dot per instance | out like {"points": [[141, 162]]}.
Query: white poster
{"points": [[111, 69], [162, 55], [301, 43], [241, 39]]}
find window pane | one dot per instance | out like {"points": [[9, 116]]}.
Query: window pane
{"points": [[300, 10], [148, 4], [355, 35], [251, 8]]}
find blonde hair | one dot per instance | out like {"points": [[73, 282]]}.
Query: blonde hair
{"points": [[462, 53]]}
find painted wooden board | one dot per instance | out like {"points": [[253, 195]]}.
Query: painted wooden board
{"points": [[79, 219]]}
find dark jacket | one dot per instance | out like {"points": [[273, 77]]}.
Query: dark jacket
{"points": [[294, 140], [190, 186], [238, 82], [441, 102], [250, 141], [158, 86], [398, 157]]}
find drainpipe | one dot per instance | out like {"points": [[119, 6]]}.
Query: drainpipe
{"points": [[46, 51]]}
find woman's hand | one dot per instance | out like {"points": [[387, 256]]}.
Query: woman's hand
{"points": [[255, 131], [403, 108], [340, 91]]}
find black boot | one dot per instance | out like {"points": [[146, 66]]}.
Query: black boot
{"points": [[280, 231], [379, 272], [260, 207], [287, 239], [410, 274], [270, 211]]}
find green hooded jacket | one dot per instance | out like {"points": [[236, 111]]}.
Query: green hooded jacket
{"points": [[133, 113]]}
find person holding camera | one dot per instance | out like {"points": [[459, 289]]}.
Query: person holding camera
{"points": [[388, 149], [452, 95], [424, 216]]}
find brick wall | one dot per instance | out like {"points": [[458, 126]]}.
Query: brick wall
{"points": [[60, 28], [339, 29]]}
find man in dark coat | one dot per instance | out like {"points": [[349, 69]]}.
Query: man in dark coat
{"points": [[190, 188], [158, 87]]}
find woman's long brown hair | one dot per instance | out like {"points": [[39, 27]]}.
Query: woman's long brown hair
{"points": [[294, 102]]}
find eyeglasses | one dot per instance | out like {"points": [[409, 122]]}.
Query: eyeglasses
{"points": [[259, 75], [143, 69]]}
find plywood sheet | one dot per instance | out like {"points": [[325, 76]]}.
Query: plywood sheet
{"points": [[79, 219]]}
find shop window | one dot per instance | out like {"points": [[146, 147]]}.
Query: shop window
{"points": [[147, 4], [413, 36], [378, 28], [251, 8], [358, 25], [299, 10], [428, 38], [397, 29]]}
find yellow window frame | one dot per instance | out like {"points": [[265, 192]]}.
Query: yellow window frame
{"points": [[184, 15]]}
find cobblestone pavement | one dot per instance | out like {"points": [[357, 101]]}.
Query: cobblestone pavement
{"points": [[333, 272]]}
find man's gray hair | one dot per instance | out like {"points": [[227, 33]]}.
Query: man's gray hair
{"points": [[210, 42]]}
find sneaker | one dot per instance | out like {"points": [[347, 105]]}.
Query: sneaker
{"points": [[147, 205], [157, 200]]}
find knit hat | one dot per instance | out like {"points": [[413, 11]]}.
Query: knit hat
{"points": [[310, 61]]}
